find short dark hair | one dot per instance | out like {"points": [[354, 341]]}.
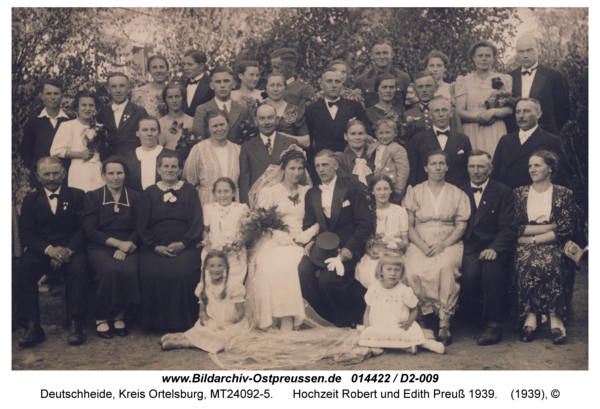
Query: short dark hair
{"points": [[381, 78], [479, 152], [433, 153], [226, 180], [155, 57], [550, 158], [121, 161], [116, 74], [436, 54], [55, 82], [84, 94], [148, 118], [196, 55], [382, 41], [378, 178], [240, 68], [482, 43], [168, 153], [336, 62], [423, 74], [220, 69], [276, 74], [214, 113]]}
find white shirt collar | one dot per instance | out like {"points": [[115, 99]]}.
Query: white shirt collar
{"points": [[330, 100], [527, 134], [435, 129], [220, 103], [44, 113], [482, 186], [48, 193], [198, 77], [533, 67], [330, 185], [121, 106]]}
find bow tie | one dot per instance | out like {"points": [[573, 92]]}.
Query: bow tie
{"points": [[528, 72], [446, 132], [331, 104], [424, 107], [193, 82], [53, 196], [477, 190]]}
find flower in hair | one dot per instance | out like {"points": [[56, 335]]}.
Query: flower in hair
{"points": [[292, 147]]}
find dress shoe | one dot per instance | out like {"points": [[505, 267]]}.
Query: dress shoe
{"points": [[444, 336], [107, 334], [527, 334], [492, 334], [123, 331], [559, 336], [33, 334], [75, 333]]}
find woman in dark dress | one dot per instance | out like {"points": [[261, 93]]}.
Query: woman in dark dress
{"points": [[545, 216], [385, 84], [170, 227], [110, 219]]}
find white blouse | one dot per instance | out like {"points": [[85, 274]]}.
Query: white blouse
{"points": [[539, 205]]}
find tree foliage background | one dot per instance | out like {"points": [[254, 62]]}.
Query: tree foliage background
{"points": [[82, 45]]}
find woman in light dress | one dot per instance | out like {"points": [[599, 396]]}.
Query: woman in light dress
{"points": [[484, 126], [212, 159], [248, 73], [71, 142], [150, 95], [437, 217], [175, 121]]}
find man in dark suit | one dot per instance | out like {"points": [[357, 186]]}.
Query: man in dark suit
{"points": [[122, 116], [440, 136], [55, 240], [381, 56], [327, 118], [39, 130], [548, 86], [222, 84], [297, 92], [197, 83], [511, 158], [261, 151], [491, 232], [338, 206]]}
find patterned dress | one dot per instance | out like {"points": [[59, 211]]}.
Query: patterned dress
{"points": [[170, 130], [542, 272], [150, 99]]}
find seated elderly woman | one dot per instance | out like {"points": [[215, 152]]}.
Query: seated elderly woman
{"points": [[170, 228], [142, 161], [110, 220], [213, 158], [437, 218], [545, 215]]}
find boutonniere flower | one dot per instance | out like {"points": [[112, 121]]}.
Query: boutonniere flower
{"points": [[169, 197], [125, 117], [290, 117], [65, 204]]}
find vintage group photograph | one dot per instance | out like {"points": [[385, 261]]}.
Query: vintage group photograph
{"points": [[299, 188]]}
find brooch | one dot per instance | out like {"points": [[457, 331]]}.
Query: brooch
{"points": [[169, 197], [116, 208], [295, 199]]}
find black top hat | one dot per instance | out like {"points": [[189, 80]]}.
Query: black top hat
{"points": [[326, 246]]}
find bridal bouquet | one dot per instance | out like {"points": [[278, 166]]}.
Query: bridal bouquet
{"points": [[97, 140], [499, 98], [258, 222]]}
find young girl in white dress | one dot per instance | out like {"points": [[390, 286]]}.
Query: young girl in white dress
{"points": [[391, 229], [221, 227], [392, 309], [222, 305]]}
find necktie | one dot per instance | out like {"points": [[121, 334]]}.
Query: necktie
{"points": [[528, 72], [225, 109], [477, 190], [446, 132], [331, 104], [53, 196], [268, 145]]}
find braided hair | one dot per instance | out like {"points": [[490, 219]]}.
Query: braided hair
{"points": [[214, 254], [372, 202]]}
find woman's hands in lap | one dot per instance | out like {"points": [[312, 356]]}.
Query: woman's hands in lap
{"points": [[120, 255], [164, 251]]}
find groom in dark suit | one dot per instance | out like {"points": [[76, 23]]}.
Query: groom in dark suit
{"points": [[338, 206], [547, 85], [197, 83], [491, 232], [51, 230], [511, 158], [122, 116], [440, 136], [261, 151]]}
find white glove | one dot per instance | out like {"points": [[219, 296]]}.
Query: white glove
{"points": [[308, 234], [335, 263]]}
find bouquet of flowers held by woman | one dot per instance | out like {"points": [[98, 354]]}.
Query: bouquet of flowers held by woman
{"points": [[499, 98], [258, 222], [381, 243], [97, 140], [186, 142]]}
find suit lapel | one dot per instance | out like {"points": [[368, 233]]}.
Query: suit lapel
{"points": [[317, 204], [432, 141], [538, 82], [44, 205], [528, 147], [339, 193], [201, 89], [260, 150], [488, 197], [517, 84], [451, 144], [342, 115], [235, 112], [127, 112], [109, 118], [325, 116]]}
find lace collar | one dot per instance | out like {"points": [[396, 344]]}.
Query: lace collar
{"points": [[164, 187]]}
